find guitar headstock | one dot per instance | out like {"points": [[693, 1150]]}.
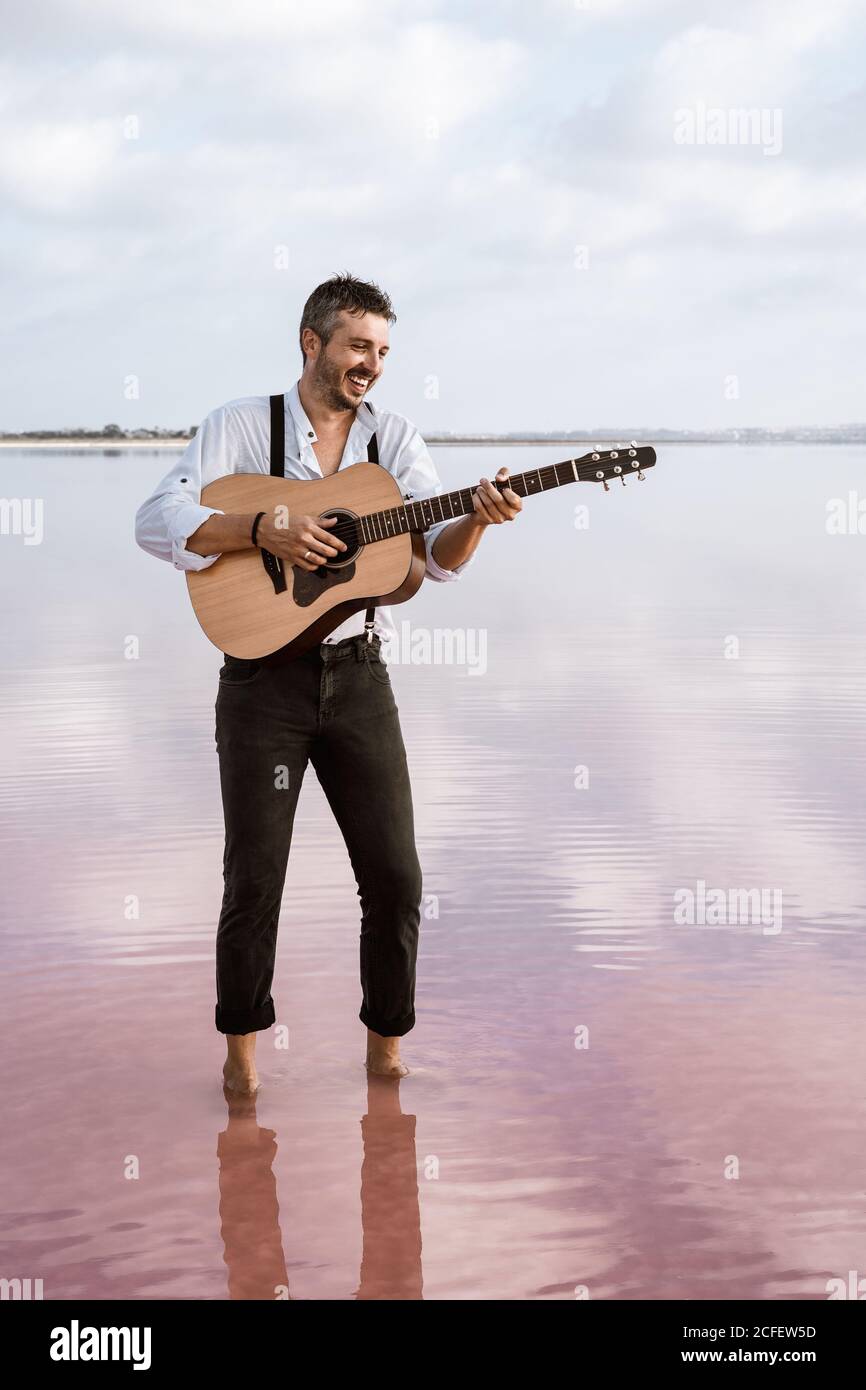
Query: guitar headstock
{"points": [[625, 460]]}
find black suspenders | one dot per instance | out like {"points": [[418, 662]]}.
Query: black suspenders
{"points": [[278, 437], [278, 467]]}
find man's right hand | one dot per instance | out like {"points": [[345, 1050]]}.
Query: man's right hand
{"points": [[304, 542]]}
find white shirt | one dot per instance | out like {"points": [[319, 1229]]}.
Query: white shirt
{"points": [[235, 438]]}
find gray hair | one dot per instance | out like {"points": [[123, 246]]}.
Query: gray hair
{"points": [[342, 292]]}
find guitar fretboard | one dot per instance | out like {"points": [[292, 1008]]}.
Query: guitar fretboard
{"points": [[448, 506]]}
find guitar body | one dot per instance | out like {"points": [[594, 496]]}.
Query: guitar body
{"points": [[250, 610], [253, 605]]}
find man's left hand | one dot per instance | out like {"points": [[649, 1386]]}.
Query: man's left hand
{"points": [[492, 506]]}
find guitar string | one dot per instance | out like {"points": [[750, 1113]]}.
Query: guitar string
{"points": [[363, 530], [386, 521], [348, 530]]}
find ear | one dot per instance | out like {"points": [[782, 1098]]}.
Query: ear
{"points": [[311, 342]]}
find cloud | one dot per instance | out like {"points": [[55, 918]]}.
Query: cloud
{"points": [[153, 158], [53, 167]]}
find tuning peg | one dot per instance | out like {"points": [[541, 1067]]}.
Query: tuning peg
{"points": [[641, 477], [622, 480]]}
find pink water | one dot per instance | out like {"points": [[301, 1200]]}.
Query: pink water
{"points": [[511, 1163]]}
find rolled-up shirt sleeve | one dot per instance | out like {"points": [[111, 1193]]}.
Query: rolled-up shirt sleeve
{"points": [[416, 474], [166, 520]]}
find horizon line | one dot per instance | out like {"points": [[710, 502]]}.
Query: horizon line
{"points": [[163, 434]]}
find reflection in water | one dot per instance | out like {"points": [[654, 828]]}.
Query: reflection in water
{"points": [[390, 1216], [548, 918], [249, 1210]]}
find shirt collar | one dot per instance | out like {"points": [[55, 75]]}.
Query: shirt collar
{"points": [[365, 418]]}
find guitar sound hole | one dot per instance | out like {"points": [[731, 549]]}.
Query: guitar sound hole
{"points": [[347, 530]]}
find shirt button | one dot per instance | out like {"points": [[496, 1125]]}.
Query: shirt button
{"points": [[309, 434]]}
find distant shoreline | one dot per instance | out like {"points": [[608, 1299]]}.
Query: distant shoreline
{"points": [[58, 442], [468, 441]]}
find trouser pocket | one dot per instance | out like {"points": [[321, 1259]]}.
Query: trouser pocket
{"points": [[240, 670]]}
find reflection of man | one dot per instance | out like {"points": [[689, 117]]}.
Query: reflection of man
{"points": [[332, 706], [249, 1210], [390, 1213]]}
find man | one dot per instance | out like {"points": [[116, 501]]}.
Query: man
{"points": [[333, 705]]}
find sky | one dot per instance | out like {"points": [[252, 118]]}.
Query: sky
{"points": [[574, 226]]}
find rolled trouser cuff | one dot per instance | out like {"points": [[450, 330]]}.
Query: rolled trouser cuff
{"points": [[388, 1027], [245, 1020]]}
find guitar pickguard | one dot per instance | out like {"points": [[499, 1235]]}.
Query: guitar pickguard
{"points": [[307, 585]]}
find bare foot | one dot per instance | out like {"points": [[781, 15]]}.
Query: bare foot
{"points": [[239, 1072], [383, 1056]]}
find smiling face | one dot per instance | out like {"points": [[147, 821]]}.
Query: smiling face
{"points": [[342, 371]]}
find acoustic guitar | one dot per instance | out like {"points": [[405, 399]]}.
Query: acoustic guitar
{"points": [[251, 604]]}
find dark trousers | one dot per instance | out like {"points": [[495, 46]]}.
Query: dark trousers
{"points": [[334, 706]]}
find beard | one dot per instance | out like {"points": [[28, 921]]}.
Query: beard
{"points": [[328, 381]]}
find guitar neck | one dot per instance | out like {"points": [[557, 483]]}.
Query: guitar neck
{"points": [[448, 506]]}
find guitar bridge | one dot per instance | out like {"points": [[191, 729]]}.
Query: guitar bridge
{"points": [[275, 571]]}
